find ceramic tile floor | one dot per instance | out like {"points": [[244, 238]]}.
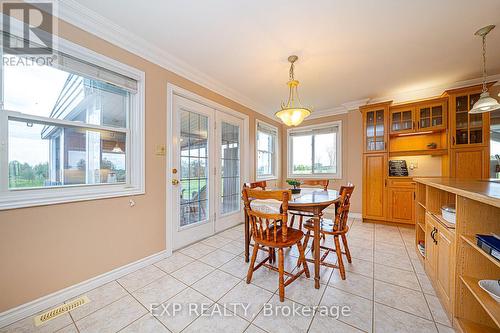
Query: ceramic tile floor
{"points": [[386, 290]]}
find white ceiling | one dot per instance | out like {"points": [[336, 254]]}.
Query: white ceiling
{"points": [[349, 50]]}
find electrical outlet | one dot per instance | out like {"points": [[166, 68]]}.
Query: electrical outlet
{"points": [[413, 165]]}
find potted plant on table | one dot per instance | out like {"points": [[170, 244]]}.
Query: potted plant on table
{"points": [[295, 185]]}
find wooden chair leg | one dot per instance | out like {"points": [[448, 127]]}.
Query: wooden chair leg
{"points": [[346, 248], [302, 258], [306, 238], [252, 262], [338, 250], [292, 220], [272, 255], [301, 219], [281, 271]]}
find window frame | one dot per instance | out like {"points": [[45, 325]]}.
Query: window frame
{"points": [[275, 160], [338, 174], [135, 143]]}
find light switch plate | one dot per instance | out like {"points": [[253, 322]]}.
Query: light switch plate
{"points": [[160, 150]]}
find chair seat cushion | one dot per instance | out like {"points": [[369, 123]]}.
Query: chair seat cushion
{"points": [[326, 226], [292, 237]]}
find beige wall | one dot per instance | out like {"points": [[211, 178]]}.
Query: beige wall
{"points": [[44, 249], [351, 153]]}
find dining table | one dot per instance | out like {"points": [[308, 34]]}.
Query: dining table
{"points": [[309, 200]]}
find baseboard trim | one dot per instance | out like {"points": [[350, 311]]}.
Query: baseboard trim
{"points": [[28, 309]]}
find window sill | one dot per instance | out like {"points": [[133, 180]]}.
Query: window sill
{"points": [[52, 196], [269, 178], [322, 176]]}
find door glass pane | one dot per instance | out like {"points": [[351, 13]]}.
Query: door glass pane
{"points": [[230, 168], [193, 168], [379, 129]]}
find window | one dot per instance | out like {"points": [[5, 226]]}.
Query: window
{"points": [[267, 143], [315, 151], [73, 129]]}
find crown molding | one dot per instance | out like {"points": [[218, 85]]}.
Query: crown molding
{"points": [[344, 108], [433, 91], [88, 20], [84, 18]]}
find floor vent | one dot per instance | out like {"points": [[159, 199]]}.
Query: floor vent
{"points": [[60, 310]]}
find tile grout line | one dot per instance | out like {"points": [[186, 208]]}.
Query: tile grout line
{"points": [[148, 311], [373, 281]]}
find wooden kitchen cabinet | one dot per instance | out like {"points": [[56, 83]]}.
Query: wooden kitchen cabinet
{"points": [[375, 123], [430, 246], [470, 162], [445, 266], [401, 201], [467, 129], [432, 115], [439, 258], [402, 119], [374, 186]]}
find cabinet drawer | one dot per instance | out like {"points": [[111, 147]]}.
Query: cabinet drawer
{"points": [[406, 182]]}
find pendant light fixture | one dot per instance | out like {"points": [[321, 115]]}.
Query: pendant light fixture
{"points": [[485, 103], [292, 113]]}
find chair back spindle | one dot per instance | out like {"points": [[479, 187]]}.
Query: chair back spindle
{"points": [[267, 226], [343, 210]]}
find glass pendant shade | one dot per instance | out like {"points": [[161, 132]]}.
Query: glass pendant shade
{"points": [[485, 103], [292, 113]]}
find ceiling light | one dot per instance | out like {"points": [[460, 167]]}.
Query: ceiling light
{"points": [[485, 103], [292, 113]]}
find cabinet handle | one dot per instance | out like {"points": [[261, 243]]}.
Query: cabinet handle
{"points": [[385, 182], [453, 140]]}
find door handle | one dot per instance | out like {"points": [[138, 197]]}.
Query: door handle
{"points": [[175, 182]]}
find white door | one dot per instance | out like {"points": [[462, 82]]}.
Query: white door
{"points": [[207, 163], [229, 133], [192, 182]]}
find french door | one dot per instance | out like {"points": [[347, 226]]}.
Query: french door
{"points": [[206, 171]]}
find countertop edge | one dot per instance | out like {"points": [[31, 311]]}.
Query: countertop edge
{"points": [[481, 197]]}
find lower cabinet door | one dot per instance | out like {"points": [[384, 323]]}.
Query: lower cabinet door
{"points": [[445, 264], [402, 205], [374, 186], [471, 163], [430, 247]]}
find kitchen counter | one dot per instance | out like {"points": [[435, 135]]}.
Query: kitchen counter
{"points": [[485, 191]]}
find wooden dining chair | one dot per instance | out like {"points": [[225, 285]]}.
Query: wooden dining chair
{"points": [[337, 228], [270, 229], [262, 185], [308, 182]]}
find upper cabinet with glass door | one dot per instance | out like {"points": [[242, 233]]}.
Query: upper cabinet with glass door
{"points": [[402, 119], [375, 131], [422, 116], [467, 129], [432, 115]]}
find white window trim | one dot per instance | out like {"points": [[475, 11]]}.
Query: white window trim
{"points": [[19, 198], [337, 175], [274, 175]]}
